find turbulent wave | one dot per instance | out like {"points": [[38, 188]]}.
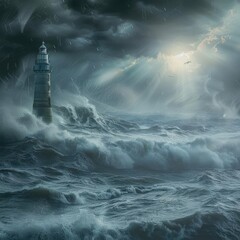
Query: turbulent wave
{"points": [[126, 154], [87, 226], [92, 175], [89, 139]]}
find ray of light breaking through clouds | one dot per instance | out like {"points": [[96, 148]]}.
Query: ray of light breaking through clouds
{"points": [[130, 54]]}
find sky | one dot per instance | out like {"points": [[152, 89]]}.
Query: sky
{"points": [[176, 56]]}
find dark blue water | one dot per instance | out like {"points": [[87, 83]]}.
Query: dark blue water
{"points": [[105, 176]]}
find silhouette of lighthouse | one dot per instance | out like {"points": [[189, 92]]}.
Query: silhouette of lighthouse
{"points": [[42, 94]]}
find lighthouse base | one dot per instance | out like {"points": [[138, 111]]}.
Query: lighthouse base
{"points": [[45, 113]]}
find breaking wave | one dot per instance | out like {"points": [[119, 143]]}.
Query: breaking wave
{"points": [[89, 140], [88, 226], [199, 154], [92, 175]]}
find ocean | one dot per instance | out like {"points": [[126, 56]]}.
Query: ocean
{"points": [[94, 175]]}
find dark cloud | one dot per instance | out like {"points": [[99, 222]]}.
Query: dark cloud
{"points": [[141, 10], [91, 33], [98, 21]]}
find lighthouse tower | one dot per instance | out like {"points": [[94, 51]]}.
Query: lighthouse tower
{"points": [[42, 94]]}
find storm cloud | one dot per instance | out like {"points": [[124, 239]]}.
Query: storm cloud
{"points": [[129, 54]]}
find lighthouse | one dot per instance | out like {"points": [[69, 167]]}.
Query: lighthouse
{"points": [[42, 94]]}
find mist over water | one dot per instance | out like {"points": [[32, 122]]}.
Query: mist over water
{"points": [[109, 175]]}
